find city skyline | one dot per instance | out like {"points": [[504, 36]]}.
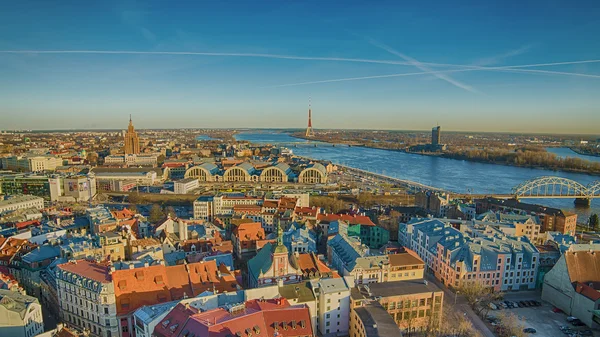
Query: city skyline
{"points": [[476, 68]]}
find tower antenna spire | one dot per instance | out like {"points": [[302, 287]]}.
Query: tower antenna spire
{"points": [[309, 129]]}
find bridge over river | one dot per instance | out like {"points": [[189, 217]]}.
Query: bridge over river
{"points": [[545, 187]]}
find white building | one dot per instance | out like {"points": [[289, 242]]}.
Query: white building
{"points": [[21, 202], [333, 306], [20, 315], [206, 207], [140, 177], [73, 188], [31, 164], [86, 297], [132, 160], [186, 185]]}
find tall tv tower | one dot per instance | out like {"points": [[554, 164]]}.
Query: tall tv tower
{"points": [[309, 129]]}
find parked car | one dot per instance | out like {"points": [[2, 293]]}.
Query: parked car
{"points": [[529, 330], [493, 306], [586, 333], [577, 322], [571, 319], [557, 310]]}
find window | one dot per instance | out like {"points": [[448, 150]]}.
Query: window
{"points": [[421, 302], [421, 313]]}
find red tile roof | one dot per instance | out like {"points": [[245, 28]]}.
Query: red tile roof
{"points": [[310, 264], [307, 211], [207, 246], [247, 208], [258, 318], [13, 246], [123, 214], [251, 231], [97, 271], [270, 204], [175, 320], [157, 284], [351, 219]]}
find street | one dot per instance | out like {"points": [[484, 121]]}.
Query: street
{"points": [[461, 305]]}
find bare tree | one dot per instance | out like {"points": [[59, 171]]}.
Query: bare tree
{"points": [[510, 325]]}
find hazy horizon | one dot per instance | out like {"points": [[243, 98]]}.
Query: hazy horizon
{"points": [[504, 67]]}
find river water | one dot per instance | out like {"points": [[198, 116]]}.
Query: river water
{"points": [[450, 174], [565, 152]]}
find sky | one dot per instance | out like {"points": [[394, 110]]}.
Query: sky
{"points": [[465, 65]]}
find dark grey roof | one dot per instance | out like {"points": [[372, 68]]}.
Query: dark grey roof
{"points": [[395, 288], [377, 321]]}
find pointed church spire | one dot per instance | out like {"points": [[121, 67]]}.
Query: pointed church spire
{"points": [[280, 248], [279, 233]]}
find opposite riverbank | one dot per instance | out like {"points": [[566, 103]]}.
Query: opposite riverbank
{"points": [[583, 153], [486, 159]]}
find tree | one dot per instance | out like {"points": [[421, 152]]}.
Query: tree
{"points": [[479, 296], [453, 323], [510, 325], [472, 291], [133, 208], [171, 211], [134, 198], [365, 200], [156, 213], [593, 222]]}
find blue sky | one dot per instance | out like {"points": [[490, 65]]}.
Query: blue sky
{"points": [[445, 40]]}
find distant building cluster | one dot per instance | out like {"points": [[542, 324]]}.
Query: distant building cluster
{"points": [[435, 145], [235, 243]]}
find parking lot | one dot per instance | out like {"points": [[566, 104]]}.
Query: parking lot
{"points": [[543, 319]]}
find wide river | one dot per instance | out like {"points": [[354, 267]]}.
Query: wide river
{"points": [[454, 175]]}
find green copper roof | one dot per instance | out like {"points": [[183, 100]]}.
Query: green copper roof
{"points": [[261, 262]]}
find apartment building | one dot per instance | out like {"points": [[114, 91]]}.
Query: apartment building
{"points": [[351, 258], [20, 315], [185, 185], [97, 297], [86, 296], [247, 239], [551, 219], [333, 306], [371, 320], [21, 202], [501, 262], [31, 163], [413, 305]]}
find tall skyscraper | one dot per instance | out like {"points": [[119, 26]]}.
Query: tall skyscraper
{"points": [[436, 135], [132, 141]]}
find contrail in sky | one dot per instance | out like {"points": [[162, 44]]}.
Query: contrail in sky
{"points": [[422, 67], [183, 53], [516, 68], [462, 68], [271, 56]]}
